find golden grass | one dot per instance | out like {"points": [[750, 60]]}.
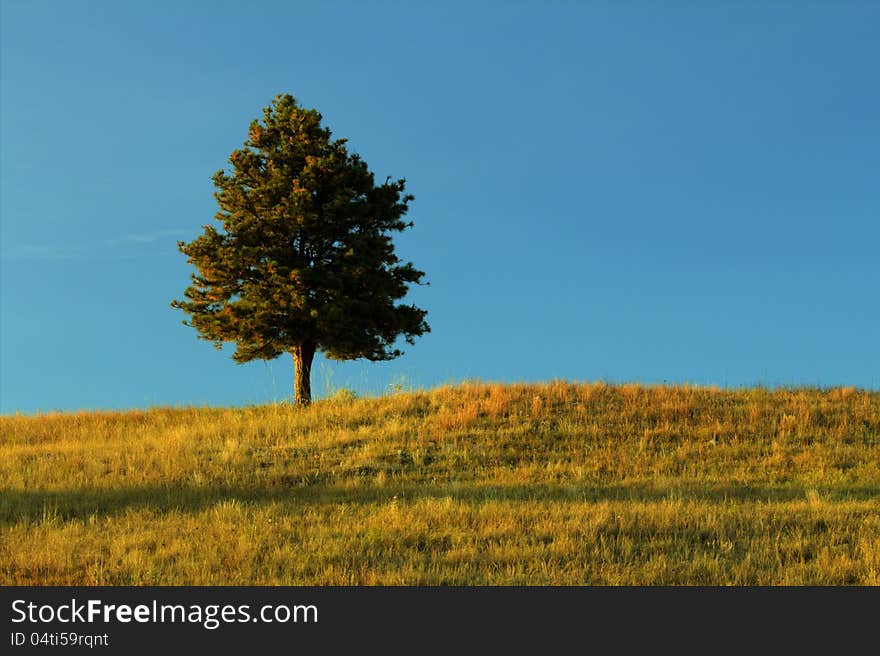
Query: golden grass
{"points": [[475, 484]]}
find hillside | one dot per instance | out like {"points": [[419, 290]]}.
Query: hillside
{"points": [[475, 484]]}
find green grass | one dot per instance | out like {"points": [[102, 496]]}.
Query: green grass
{"points": [[476, 484]]}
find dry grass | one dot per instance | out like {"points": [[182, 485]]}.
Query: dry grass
{"points": [[475, 484]]}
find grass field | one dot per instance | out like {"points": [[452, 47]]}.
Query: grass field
{"points": [[474, 484]]}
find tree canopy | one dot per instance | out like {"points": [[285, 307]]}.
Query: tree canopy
{"points": [[302, 260]]}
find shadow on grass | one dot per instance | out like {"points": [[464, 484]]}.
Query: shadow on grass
{"points": [[61, 505]]}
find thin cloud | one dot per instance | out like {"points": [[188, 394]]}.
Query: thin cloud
{"points": [[123, 247], [146, 238]]}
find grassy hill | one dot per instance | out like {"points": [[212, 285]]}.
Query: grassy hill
{"points": [[475, 484]]}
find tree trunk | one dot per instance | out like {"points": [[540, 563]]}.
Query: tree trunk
{"points": [[303, 354]]}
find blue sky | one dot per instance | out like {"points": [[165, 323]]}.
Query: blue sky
{"points": [[682, 192]]}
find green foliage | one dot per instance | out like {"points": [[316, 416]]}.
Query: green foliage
{"points": [[303, 259]]}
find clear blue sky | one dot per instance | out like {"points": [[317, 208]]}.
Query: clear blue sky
{"points": [[640, 191]]}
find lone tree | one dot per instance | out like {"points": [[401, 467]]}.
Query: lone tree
{"points": [[304, 260]]}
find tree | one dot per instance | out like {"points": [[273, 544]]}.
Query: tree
{"points": [[304, 261]]}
